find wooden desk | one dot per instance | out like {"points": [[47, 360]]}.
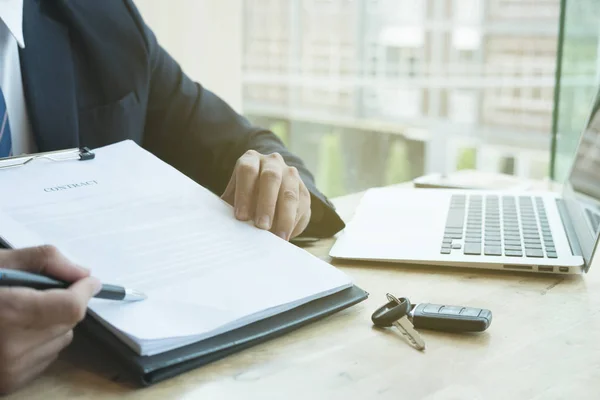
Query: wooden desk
{"points": [[544, 343]]}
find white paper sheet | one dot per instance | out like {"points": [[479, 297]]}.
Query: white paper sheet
{"points": [[135, 221]]}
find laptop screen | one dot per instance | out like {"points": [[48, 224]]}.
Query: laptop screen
{"points": [[582, 190]]}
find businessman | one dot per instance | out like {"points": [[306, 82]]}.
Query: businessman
{"points": [[91, 73]]}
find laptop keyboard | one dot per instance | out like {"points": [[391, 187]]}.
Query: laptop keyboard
{"points": [[498, 225]]}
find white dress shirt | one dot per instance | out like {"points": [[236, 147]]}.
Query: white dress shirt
{"points": [[11, 82]]}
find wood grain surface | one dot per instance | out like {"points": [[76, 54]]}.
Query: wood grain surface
{"points": [[543, 343]]}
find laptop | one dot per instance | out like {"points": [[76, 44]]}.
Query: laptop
{"points": [[540, 232]]}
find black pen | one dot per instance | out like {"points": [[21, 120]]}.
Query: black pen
{"points": [[12, 277]]}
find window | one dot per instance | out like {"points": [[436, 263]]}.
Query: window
{"points": [[507, 165], [467, 12], [390, 75], [367, 88], [466, 55], [393, 61], [399, 103], [466, 158], [401, 62], [468, 39], [463, 107]]}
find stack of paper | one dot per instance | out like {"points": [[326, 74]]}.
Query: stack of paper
{"points": [[137, 222]]}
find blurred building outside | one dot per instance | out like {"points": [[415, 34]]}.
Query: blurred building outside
{"points": [[372, 92]]}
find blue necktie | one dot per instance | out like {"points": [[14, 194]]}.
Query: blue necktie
{"points": [[5, 139]]}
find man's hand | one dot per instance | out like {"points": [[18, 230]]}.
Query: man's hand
{"points": [[263, 188], [36, 325]]}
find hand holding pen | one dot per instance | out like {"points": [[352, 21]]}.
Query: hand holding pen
{"points": [[38, 324]]}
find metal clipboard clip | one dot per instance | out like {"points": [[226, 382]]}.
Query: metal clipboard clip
{"points": [[81, 154]]}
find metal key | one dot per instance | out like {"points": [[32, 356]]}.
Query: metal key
{"points": [[395, 313]]}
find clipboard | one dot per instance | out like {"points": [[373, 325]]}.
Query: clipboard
{"points": [[147, 370], [80, 153], [143, 371]]}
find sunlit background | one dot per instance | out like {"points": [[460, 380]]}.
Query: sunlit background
{"points": [[375, 92]]}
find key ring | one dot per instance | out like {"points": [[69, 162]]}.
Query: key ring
{"points": [[393, 298], [391, 312]]}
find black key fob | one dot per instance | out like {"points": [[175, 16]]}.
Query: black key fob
{"points": [[450, 318]]}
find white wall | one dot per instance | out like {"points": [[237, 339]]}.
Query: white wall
{"points": [[205, 37]]}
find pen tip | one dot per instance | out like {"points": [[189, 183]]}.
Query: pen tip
{"points": [[134, 295]]}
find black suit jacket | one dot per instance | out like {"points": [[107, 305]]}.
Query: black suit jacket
{"points": [[94, 74]]}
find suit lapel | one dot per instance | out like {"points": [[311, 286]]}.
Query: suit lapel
{"points": [[48, 78]]}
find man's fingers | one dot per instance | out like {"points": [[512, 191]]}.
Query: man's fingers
{"points": [[30, 309], [287, 204], [36, 370], [29, 353], [228, 194], [69, 306], [44, 351], [268, 190], [84, 290], [45, 260], [31, 339], [305, 214], [49, 349], [247, 171], [301, 225], [26, 308]]}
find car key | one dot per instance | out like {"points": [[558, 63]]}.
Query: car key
{"points": [[450, 318], [395, 313]]}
